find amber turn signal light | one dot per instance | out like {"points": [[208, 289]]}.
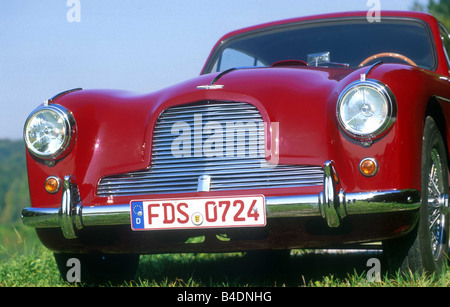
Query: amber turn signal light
{"points": [[368, 167], [52, 184]]}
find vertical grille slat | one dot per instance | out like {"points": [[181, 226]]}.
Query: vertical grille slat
{"points": [[243, 167]]}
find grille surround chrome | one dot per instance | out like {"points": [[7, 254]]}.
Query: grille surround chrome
{"points": [[245, 168]]}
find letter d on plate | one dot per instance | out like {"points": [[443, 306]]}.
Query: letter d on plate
{"points": [[137, 216]]}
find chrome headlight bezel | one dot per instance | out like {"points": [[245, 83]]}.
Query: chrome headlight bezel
{"points": [[389, 107], [66, 137]]}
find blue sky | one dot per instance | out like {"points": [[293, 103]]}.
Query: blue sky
{"points": [[137, 45]]}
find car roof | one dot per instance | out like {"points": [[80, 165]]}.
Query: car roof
{"points": [[405, 14]]}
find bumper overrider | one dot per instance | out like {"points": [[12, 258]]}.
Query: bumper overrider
{"points": [[333, 204]]}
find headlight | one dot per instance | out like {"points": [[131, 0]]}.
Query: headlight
{"points": [[49, 131], [366, 109]]}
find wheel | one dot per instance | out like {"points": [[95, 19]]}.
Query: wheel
{"points": [[424, 249], [97, 268]]}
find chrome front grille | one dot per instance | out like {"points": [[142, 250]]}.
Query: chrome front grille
{"points": [[222, 140]]}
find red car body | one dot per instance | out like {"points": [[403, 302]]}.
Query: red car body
{"points": [[114, 135]]}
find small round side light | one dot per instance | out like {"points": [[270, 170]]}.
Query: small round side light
{"points": [[52, 184], [368, 167]]}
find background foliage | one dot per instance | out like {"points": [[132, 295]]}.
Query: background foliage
{"points": [[439, 9], [13, 181]]}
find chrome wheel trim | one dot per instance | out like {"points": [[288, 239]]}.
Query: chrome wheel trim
{"points": [[437, 200]]}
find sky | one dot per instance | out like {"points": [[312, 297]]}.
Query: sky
{"points": [[50, 46]]}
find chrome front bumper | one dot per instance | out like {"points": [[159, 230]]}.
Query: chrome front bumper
{"points": [[333, 204]]}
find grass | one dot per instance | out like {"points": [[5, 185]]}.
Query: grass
{"points": [[24, 262]]}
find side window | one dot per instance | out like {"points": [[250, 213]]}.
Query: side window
{"points": [[233, 58], [446, 42]]}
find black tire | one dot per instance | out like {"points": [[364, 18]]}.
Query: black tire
{"points": [[97, 268], [424, 249]]}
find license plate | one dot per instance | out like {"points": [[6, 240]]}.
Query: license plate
{"points": [[189, 213]]}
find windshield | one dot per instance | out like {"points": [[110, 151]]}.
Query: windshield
{"points": [[346, 42]]}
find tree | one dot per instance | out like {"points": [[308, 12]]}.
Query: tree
{"points": [[439, 9], [14, 193]]}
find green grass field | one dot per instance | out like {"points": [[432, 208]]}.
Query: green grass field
{"points": [[24, 262]]}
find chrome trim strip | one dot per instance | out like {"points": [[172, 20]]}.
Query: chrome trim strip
{"points": [[41, 217], [221, 74], [63, 93], [442, 98], [210, 87], [371, 67]]}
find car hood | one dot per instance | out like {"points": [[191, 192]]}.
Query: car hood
{"points": [[262, 83]]}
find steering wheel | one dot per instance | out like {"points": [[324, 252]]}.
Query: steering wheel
{"points": [[388, 55]]}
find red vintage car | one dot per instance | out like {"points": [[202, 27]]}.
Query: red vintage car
{"points": [[305, 133]]}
